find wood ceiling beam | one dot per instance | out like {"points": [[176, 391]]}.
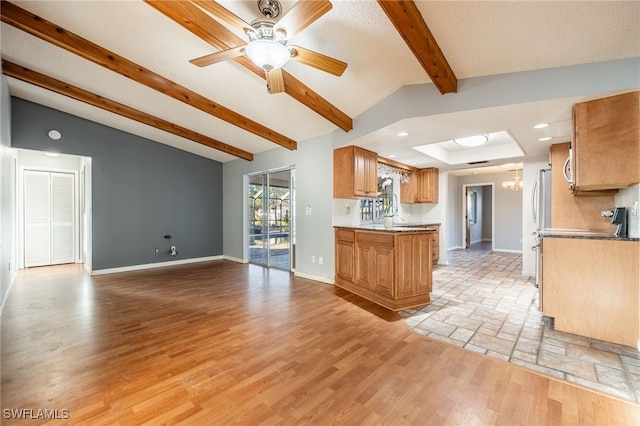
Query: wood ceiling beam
{"points": [[32, 77], [48, 31], [198, 22], [408, 20]]}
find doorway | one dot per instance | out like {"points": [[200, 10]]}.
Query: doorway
{"points": [[478, 216], [271, 224]]}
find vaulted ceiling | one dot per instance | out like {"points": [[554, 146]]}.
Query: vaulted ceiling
{"points": [[126, 63]]}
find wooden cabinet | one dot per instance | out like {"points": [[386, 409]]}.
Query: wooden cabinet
{"points": [[392, 269], [435, 242], [572, 212], [355, 173], [422, 186], [591, 288], [345, 252], [414, 273], [605, 143], [374, 262]]}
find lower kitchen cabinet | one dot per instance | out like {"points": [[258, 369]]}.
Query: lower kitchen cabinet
{"points": [[392, 269], [591, 287]]}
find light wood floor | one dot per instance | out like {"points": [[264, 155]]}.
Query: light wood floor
{"points": [[220, 342]]}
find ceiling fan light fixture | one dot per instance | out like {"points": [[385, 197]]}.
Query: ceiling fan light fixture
{"points": [[268, 54], [472, 141]]}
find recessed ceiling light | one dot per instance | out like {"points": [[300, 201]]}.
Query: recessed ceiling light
{"points": [[54, 134], [392, 156], [51, 154], [546, 138], [541, 126], [472, 140], [403, 134]]}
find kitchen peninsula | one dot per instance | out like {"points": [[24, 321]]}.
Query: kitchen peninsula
{"points": [[388, 266]]}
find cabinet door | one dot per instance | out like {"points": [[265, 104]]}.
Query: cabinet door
{"points": [[345, 256], [414, 265], [408, 190], [365, 173], [365, 271], [428, 185], [606, 142], [383, 283]]}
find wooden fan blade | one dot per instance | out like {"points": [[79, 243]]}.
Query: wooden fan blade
{"points": [[216, 57], [275, 82], [318, 60], [222, 13], [303, 14]]}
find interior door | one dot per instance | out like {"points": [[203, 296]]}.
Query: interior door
{"points": [[49, 218]]}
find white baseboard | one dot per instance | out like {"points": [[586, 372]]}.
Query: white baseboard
{"points": [[314, 277], [528, 273], [154, 265], [508, 251], [454, 248], [6, 295], [235, 259]]}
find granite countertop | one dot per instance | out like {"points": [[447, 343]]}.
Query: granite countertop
{"points": [[587, 234], [379, 227]]}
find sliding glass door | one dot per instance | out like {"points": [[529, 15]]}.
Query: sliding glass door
{"points": [[271, 230]]}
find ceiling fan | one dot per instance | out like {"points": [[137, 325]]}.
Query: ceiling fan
{"points": [[267, 46]]}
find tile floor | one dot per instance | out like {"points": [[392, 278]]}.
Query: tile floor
{"points": [[481, 302]]}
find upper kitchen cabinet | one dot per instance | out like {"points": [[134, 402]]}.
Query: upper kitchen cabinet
{"points": [[422, 187], [605, 143], [355, 173]]}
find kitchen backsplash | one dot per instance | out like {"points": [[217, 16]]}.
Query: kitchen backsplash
{"points": [[629, 197]]}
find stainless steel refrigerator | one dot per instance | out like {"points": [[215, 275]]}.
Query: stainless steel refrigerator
{"points": [[541, 212]]}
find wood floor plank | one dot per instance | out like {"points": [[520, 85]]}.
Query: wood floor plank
{"points": [[220, 343]]}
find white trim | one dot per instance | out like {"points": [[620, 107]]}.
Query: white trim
{"points": [[314, 277], [6, 295], [508, 251], [155, 265], [235, 259], [529, 273], [454, 248]]}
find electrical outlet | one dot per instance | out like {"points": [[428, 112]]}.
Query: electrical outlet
{"points": [[157, 250], [313, 259], [320, 260], [307, 210], [168, 237]]}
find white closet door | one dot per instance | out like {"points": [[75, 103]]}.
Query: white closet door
{"points": [[37, 218], [49, 200], [62, 218]]}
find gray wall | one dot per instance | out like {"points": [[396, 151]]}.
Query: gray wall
{"points": [[487, 212], [7, 193], [313, 162], [141, 190]]}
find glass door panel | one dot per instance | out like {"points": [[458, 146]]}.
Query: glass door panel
{"points": [[270, 207], [257, 227], [279, 219]]}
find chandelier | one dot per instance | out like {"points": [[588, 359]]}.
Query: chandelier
{"points": [[514, 185]]}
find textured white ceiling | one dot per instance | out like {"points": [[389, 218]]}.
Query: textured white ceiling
{"points": [[477, 37]]}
